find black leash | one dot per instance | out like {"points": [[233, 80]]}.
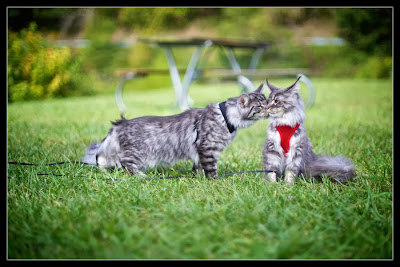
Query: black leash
{"points": [[114, 179], [48, 164]]}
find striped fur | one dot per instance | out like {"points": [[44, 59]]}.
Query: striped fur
{"points": [[199, 135], [285, 107]]}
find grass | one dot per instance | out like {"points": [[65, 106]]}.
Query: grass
{"points": [[80, 215]]}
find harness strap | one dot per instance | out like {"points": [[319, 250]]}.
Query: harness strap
{"points": [[222, 107], [286, 132]]}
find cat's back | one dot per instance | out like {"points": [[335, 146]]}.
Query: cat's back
{"points": [[150, 125]]}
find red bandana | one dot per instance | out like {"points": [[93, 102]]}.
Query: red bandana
{"points": [[286, 133]]}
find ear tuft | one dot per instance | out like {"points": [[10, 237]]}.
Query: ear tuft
{"points": [[243, 100], [271, 87], [261, 88], [295, 86]]}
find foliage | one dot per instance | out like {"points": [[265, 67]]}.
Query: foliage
{"points": [[250, 23], [100, 28], [79, 68], [37, 70], [346, 61], [367, 29], [333, 61], [151, 20], [296, 16], [80, 215], [376, 67]]}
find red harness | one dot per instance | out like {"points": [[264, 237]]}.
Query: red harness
{"points": [[286, 133]]}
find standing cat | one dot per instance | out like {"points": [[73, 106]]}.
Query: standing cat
{"points": [[287, 150], [196, 134]]}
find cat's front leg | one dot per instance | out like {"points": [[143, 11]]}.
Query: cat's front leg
{"points": [[271, 177], [271, 161], [208, 160], [290, 177], [293, 165], [131, 163], [196, 168]]}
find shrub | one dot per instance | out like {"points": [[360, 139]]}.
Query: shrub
{"points": [[36, 70], [151, 20], [375, 67], [367, 29]]}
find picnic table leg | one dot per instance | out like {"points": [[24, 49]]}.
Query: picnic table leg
{"points": [[232, 60], [176, 80], [191, 71], [118, 92], [256, 57], [252, 66], [245, 83]]}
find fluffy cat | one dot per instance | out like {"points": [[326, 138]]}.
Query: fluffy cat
{"points": [[196, 134], [287, 150]]}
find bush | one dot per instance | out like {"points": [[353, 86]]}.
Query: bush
{"points": [[375, 67], [367, 29], [36, 70], [151, 20]]}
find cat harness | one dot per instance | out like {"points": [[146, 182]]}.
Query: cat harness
{"points": [[286, 132], [222, 107]]}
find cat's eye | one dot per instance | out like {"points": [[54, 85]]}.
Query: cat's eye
{"points": [[276, 101]]}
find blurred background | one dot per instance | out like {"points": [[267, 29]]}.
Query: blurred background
{"points": [[61, 52]]}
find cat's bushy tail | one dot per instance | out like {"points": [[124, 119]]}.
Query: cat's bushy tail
{"points": [[91, 151], [339, 168]]}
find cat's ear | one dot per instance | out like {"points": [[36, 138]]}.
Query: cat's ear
{"points": [[243, 100], [271, 87], [261, 88], [294, 87]]}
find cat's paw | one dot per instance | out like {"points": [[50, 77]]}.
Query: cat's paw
{"points": [[290, 178], [271, 177], [140, 174]]}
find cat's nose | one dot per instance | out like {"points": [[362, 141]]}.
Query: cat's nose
{"points": [[265, 114]]}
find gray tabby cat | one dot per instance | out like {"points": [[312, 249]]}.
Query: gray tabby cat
{"points": [[287, 150], [196, 134]]}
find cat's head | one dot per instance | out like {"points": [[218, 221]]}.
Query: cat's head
{"points": [[253, 105], [281, 101]]}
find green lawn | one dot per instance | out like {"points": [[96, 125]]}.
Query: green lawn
{"points": [[80, 215]]}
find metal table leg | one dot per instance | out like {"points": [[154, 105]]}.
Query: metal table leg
{"points": [[245, 83], [181, 88], [118, 92], [256, 57], [191, 73], [176, 80]]}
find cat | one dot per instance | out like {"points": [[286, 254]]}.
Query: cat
{"points": [[287, 150], [197, 134]]}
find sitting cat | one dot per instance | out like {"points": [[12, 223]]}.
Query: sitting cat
{"points": [[196, 134], [287, 150]]}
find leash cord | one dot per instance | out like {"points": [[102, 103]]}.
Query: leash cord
{"points": [[114, 179]]}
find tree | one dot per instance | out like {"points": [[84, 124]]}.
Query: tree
{"points": [[367, 29]]}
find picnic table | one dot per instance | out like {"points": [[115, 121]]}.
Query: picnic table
{"points": [[196, 65]]}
